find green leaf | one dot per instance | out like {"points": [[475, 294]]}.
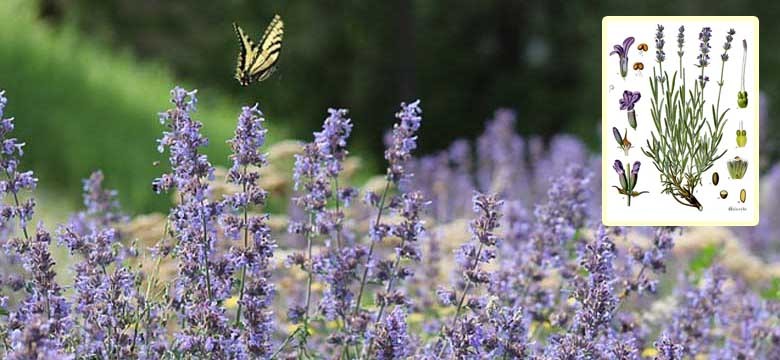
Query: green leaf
{"points": [[773, 292], [704, 259], [3, 311]]}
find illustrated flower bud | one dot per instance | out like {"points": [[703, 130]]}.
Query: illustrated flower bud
{"points": [[634, 175], [627, 102]]}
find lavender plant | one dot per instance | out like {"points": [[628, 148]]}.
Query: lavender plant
{"points": [[535, 274], [685, 142]]}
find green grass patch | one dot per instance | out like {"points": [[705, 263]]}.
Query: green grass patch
{"points": [[80, 107]]}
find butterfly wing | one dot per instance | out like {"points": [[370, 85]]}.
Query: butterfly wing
{"points": [[268, 51], [246, 55]]}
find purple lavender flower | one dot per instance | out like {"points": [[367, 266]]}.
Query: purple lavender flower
{"points": [[391, 337], [332, 140], [562, 214], [469, 257], [44, 295], [652, 259], [622, 53], [204, 279], [105, 289], [595, 293], [37, 340], [255, 290], [692, 321], [510, 329], [403, 141]]}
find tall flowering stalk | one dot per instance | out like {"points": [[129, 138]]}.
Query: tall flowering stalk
{"points": [[398, 153], [316, 175], [685, 144], [204, 280], [253, 257], [470, 256], [41, 322], [409, 205], [691, 327], [105, 288]]}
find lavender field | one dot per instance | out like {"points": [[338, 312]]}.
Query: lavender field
{"points": [[485, 250]]}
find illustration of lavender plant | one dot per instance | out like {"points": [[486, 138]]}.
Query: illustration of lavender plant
{"points": [[630, 98], [685, 143], [622, 53], [627, 181]]}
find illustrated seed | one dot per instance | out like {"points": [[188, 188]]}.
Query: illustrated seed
{"points": [[743, 196], [724, 194], [715, 178]]}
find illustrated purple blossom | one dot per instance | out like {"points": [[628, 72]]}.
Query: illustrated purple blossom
{"points": [[628, 181], [680, 41], [627, 102], [660, 55], [704, 47], [256, 292], [629, 99], [622, 53], [727, 44]]}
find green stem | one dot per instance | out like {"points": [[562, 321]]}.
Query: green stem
{"points": [[246, 246], [371, 249], [463, 296], [206, 246]]}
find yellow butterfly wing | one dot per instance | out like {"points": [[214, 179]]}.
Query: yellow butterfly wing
{"points": [[246, 55], [268, 50], [257, 62]]}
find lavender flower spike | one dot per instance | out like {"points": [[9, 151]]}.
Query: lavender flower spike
{"points": [[629, 100], [660, 55], [403, 140], [622, 53]]}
